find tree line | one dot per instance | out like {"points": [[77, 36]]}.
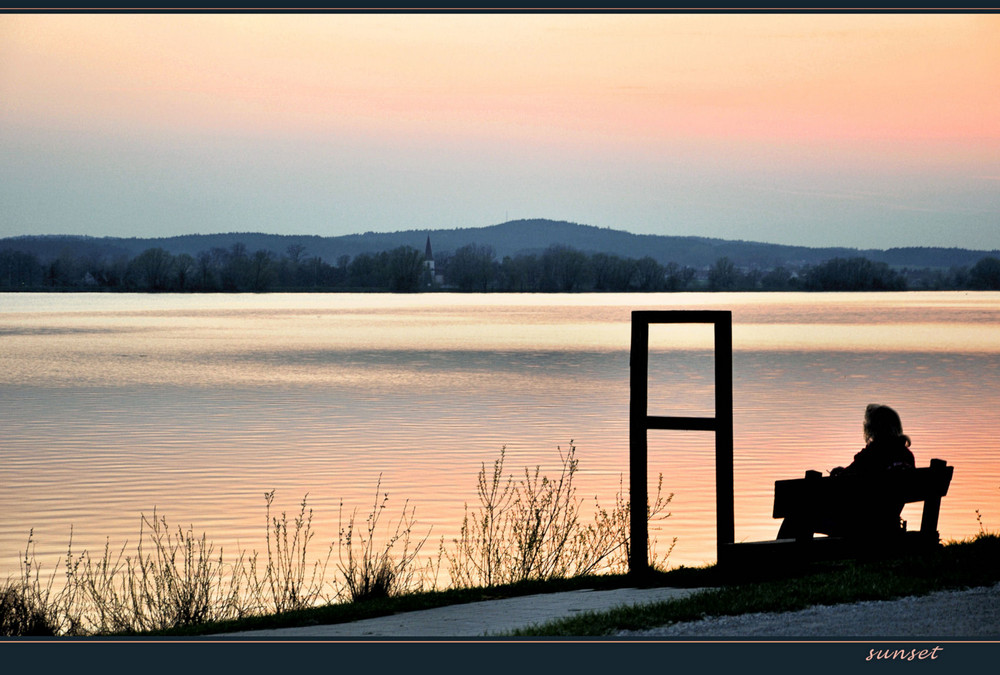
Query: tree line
{"points": [[471, 268], [233, 269]]}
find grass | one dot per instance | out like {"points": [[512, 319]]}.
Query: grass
{"points": [[965, 564]]}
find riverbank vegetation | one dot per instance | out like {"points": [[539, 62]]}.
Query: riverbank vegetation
{"points": [[526, 535], [471, 268], [526, 529]]}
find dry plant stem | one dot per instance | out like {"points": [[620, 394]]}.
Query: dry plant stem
{"points": [[171, 580], [526, 528], [370, 570], [533, 529], [288, 567], [480, 553], [180, 581], [26, 606]]}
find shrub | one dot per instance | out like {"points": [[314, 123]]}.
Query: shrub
{"points": [[369, 568], [20, 613], [532, 529], [287, 564]]}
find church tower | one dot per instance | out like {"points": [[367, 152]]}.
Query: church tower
{"points": [[429, 264], [429, 257]]}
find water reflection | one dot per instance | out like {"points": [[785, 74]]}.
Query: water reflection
{"points": [[114, 405]]}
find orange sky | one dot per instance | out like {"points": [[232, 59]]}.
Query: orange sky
{"points": [[608, 87], [659, 76]]}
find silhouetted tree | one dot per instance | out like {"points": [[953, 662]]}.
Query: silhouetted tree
{"points": [[853, 274], [404, 268], [750, 281], [521, 274], [985, 274], [185, 272], [472, 268], [295, 252], [63, 271], [778, 279], [678, 278], [650, 275], [19, 269], [153, 268], [260, 271], [363, 271], [612, 272], [286, 269], [960, 275], [237, 271], [723, 276], [564, 269], [207, 279]]}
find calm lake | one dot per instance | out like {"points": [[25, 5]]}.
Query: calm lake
{"points": [[196, 405]]}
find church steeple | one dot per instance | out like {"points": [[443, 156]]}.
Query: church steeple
{"points": [[430, 272]]}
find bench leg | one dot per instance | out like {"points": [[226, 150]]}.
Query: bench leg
{"points": [[793, 528], [929, 517]]}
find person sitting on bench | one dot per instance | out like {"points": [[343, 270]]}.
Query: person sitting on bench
{"points": [[887, 449]]}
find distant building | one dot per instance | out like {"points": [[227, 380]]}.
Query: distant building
{"points": [[429, 257], [433, 278]]}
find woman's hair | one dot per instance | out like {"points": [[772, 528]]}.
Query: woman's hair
{"points": [[882, 423]]}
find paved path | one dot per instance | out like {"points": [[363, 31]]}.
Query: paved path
{"points": [[970, 613], [477, 619]]}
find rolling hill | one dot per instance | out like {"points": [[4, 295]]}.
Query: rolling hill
{"points": [[506, 239]]}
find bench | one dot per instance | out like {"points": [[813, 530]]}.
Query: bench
{"points": [[817, 500]]}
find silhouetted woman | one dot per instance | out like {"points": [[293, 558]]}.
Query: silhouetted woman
{"points": [[887, 449], [887, 446]]}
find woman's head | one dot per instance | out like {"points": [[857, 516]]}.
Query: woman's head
{"points": [[882, 423]]}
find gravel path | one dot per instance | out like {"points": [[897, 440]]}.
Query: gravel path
{"points": [[972, 613]]}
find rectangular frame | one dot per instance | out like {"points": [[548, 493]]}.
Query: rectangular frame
{"points": [[640, 422]]}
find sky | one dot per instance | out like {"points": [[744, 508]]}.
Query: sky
{"points": [[858, 130]]}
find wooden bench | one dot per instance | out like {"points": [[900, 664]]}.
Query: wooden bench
{"points": [[816, 500]]}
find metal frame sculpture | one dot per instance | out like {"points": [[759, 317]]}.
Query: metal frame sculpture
{"points": [[640, 422]]}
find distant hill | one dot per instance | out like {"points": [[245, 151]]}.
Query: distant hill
{"points": [[507, 239]]}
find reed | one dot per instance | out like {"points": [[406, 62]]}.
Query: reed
{"points": [[371, 569], [27, 607], [532, 528], [524, 529], [288, 577], [173, 578]]}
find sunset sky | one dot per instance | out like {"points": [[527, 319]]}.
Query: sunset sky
{"points": [[862, 130]]}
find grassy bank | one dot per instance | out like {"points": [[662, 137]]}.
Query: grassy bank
{"points": [[527, 528], [957, 565], [527, 535], [965, 564], [970, 563]]}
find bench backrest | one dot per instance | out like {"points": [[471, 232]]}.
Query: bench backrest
{"points": [[816, 494]]}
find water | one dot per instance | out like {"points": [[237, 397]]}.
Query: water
{"points": [[196, 405]]}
